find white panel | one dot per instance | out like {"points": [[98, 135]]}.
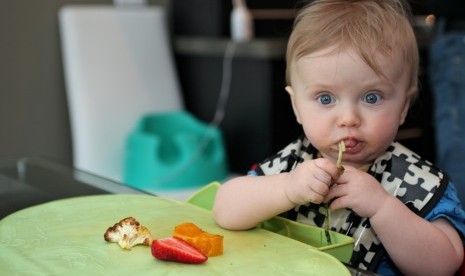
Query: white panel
{"points": [[130, 2], [118, 66]]}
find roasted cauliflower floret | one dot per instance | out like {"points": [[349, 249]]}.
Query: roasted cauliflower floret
{"points": [[128, 233]]}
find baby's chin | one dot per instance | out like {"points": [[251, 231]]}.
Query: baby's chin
{"points": [[359, 161], [330, 155]]}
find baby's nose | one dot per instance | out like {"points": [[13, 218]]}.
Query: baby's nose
{"points": [[350, 117]]}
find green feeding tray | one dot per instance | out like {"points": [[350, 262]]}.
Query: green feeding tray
{"points": [[174, 150], [342, 245], [341, 248]]}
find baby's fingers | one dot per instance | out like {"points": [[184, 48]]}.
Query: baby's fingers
{"points": [[315, 198], [336, 195], [328, 172], [318, 192]]}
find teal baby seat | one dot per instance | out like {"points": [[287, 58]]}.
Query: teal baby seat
{"points": [[174, 150]]}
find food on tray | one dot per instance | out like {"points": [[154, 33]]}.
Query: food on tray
{"points": [[128, 233], [210, 244], [177, 250], [189, 244]]}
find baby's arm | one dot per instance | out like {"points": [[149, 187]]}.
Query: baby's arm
{"points": [[244, 202], [417, 246]]}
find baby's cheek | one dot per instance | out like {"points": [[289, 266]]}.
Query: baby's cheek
{"points": [[319, 134], [383, 132]]}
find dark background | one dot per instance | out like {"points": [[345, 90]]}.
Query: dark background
{"points": [[259, 121]]}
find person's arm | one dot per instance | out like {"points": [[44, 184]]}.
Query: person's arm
{"points": [[244, 202], [416, 246]]}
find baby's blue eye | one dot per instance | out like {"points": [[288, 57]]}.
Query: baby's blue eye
{"points": [[325, 99], [372, 98]]}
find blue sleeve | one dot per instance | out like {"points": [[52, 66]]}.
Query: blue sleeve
{"points": [[450, 208]]}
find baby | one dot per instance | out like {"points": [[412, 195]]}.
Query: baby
{"points": [[352, 69]]}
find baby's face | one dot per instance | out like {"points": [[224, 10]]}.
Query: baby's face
{"points": [[338, 97]]}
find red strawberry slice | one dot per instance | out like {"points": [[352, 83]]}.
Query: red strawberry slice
{"points": [[177, 250]]}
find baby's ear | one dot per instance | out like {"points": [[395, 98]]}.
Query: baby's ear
{"points": [[290, 91], [411, 94]]}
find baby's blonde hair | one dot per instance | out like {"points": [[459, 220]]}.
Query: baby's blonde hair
{"points": [[370, 27]]}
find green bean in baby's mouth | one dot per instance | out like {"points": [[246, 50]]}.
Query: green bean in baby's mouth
{"points": [[342, 148]]}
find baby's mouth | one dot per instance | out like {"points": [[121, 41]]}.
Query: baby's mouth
{"points": [[351, 144]]}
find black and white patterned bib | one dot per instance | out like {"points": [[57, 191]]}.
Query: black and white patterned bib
{"points": [[401, 172]]}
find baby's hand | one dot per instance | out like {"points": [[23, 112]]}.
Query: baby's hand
{"points": [[359, 191], [310, 181]]}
